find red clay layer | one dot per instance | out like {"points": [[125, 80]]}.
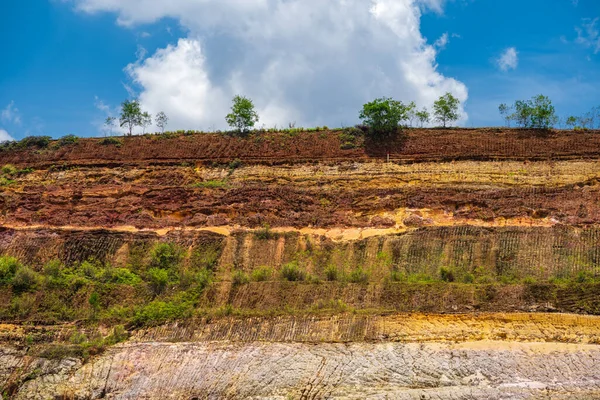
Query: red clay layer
{"points": [[414, 145]]}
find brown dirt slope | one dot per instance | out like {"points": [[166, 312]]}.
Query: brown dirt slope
{"points": [[416, 145]]}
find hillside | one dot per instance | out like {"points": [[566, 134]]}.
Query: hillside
{"points": [[302, 265]]}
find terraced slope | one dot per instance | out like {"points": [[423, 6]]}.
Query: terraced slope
{"points": [[302, 265]]}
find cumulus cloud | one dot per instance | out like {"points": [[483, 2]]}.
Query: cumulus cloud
{"points": [[11, 114], [4, 136], [310, 61], [509, 59]]}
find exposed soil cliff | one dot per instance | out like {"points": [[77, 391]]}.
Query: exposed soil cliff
{"points": [[302, 265]]}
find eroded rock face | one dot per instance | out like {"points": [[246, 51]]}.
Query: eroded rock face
{"points": [[217, 370]]}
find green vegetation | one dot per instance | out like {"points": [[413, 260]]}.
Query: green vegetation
{"points": [[537, 112], [242, 116], [262, 274], [35, 141], [358, 276], [423, 116], [132, 116], [211, 184], [239, 278], [446, 274], [292, 272], [161, 121], [445, 109], [384, 115], [264, 233], [111, 141], [67, 140]]}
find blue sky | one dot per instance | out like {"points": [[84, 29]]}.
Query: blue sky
{"points": [[67, 64]]}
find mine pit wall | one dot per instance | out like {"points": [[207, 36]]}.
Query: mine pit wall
{"points": [[491, 254], [515, 252]]}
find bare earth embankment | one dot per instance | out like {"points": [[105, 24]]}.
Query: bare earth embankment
{"points": [[302, 265]]}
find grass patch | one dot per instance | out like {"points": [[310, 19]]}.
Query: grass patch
{"points": [[211, 184]]}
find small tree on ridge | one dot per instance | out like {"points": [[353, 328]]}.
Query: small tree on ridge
{"points": [[161, 121], [131, 115], [445, 109], [383, 115], [242, 116]]}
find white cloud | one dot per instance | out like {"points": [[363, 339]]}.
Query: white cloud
{"points": [[442, 41], [588, 35], [509, 59], [4, 136], [310, 61], [11, 114]]}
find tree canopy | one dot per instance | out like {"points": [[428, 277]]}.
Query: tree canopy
{"points": [[383, 115], [445, 109], [242, 116]]}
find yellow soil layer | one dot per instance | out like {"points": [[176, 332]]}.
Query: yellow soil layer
{"points": [[349, 175], [337, 234], [405, 328], [382, 175]]}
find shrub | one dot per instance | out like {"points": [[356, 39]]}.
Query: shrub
{"points": [[332, 273], [35, 141], [25, 279], [9, 169], [446, 274], [159, 312], [262, 274], [89, 270], [121, 276], [397, 276], [67, 140], [584, 277], [207, 258], [264, 233], [94, 301], [235, 164], [292, 272], [118, 335], [166, 256], [419, 278], [158, 279], [203, 279], [107, 141], [239, 278], [530, 280], [359, 276], [469, 278], [8, 268]]}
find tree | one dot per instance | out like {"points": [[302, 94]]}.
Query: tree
{"points": [[146, 121], [445, 109], [411, 112], [110, 124], [383, 115], [543, 115], [131, 115], [571, 122], [522, 114], [423, 116], [535, 113], [242, 114], [161, 121], [505, 112]]}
